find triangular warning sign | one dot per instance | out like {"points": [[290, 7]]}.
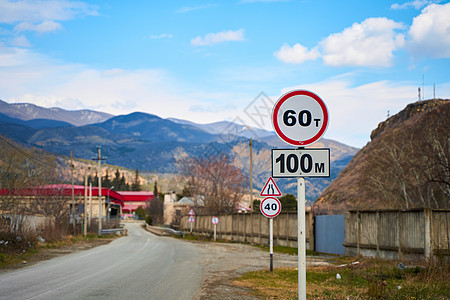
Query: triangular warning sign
{"points": [[191, 219], [191, 212], [270, 189]]}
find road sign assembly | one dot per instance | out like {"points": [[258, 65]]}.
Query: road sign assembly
{"points": [[270, 189], [215, 221], [300, 162], [270, 207], [300, 118]]}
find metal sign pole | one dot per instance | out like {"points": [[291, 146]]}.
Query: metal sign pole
{"points": [[301, 238], [215, 232], [271, 243]]}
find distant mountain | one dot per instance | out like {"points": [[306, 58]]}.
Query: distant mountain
{"points": [[405, 165], [35, 123], [27, 111], [153, 144], [153, 128], [228, 127]]}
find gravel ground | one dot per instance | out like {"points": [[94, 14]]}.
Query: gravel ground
{"points": [[224, 262]]}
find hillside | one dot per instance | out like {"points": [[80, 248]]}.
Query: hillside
{"points": [[405, 165]]}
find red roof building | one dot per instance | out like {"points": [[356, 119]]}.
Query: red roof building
{"points": [[124, 202], [132, 200]]}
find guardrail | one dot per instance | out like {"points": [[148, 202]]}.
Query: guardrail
{"points": [[120, 231], [163, 231]]}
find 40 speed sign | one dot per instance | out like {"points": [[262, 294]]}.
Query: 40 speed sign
{"points": [[300, 163], [270, 207]]}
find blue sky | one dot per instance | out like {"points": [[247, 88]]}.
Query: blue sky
{"points": [[208, 61]]}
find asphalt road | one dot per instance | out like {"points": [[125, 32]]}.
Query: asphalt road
{"points": [[138, 266]]}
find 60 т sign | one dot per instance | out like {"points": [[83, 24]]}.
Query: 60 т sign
{"points": [[300, 162]]}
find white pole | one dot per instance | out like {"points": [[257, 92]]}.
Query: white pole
{"points": [[90, 203], [191, 227], [85, 204], [215, 232], [271, 243], [100, 212], [301, 240]]}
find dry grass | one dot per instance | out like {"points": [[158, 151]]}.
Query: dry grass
{"points": [[369, 279]]}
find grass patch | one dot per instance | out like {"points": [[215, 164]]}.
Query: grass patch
{"points": [[8, 259], [369, 279], [286, 250], [72, 240]]}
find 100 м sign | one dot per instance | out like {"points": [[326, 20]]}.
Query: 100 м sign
{"points": [[300, 163]]}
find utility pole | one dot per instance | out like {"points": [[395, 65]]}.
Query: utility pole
{"points": [[100, 204], [90, 203], [251, 173], [85, 202], [73, 193]]}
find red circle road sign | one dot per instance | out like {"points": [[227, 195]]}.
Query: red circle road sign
{"points": [[300, 118], [215, 220], [270, 207]]}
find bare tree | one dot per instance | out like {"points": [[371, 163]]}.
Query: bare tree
{"points": [[216, 184], [409, 166], [23, 176]]}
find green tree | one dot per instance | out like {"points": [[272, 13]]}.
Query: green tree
{"points": [[141, 213], [95, 180], [288, 202], [256, 204], [116, 180], [186, 192], [124, 186], [136, 185], [155, 208], [106, 182]]}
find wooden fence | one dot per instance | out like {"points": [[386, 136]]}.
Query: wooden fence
{"points": [[253, 228], [398, 234]]}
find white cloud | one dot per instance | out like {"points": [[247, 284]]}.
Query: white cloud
{"points": [[186, 9], [219, 37], [429, 33], [161, 36], [263, 1], [369, 43], [20, 41], [46, 26], [37, 11], [417, 4], [30, 77], [296, 54]]}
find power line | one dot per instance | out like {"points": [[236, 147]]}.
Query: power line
{"points": [[23, 152]]}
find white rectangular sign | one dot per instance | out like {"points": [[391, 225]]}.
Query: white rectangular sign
{"points": [[300, 163]]}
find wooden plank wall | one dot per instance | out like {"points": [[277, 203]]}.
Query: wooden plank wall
{"points": [[397, 234], [253, 228]]}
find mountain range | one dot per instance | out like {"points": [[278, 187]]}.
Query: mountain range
{"points": [[150, 143]]}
